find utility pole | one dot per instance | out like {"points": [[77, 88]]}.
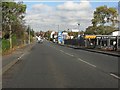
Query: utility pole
{"points": [[10, 36], [58, 28], [29, 33], [28, 29], [79, 30]]}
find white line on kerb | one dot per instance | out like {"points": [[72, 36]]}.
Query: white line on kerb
{"points": [[21, 56], [86, 62], [115, 76]]}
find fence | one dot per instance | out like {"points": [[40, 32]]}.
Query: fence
{"points": [[99, 41]]}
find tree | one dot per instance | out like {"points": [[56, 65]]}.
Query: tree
{"points": [[12, 14], [103, 30], [47, 34], [12, 17], [104, 21], [112, 16], [104, 15], [91, 30]]}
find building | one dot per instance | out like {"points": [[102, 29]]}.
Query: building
{"points": [[116, 33], [74, 30]]}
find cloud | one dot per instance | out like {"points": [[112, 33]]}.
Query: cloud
{"points": [[70, 5], [67, 15], [41, 8]]}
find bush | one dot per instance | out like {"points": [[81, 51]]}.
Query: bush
{"points": [[5, 45], [14, 40]]}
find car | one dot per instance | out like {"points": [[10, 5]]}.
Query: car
{"points": [[40, 41]]}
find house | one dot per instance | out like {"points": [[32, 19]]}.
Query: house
{"points": [[116, 33]]}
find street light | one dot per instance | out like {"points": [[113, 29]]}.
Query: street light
{"points": [[79, 30], [29, 33], [68, 29], [58, 28], [10, 36]]}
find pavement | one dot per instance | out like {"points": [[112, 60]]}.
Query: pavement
{"points": [[113, 53], [10, 59]]}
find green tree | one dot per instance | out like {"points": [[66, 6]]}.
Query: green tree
{"points": [[91, 30], [104, 21], [12, 19], [47, 34], [13, 14], [29, 29], [103, 15]]}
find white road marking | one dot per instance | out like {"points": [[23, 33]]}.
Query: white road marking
{"points": [[62, 51], [86, 62], [115, 76], [21, 56], [66, 53], [69, 54]]}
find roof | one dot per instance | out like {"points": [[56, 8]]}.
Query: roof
{"points": [[116, 33]]}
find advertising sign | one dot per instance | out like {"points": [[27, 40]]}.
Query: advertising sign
{"points": [[60, 38]]}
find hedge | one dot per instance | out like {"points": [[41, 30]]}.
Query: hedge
{"points": [[5, 44]]}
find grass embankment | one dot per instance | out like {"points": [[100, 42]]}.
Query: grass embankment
{"points": [[6, 45], [5, 50]]}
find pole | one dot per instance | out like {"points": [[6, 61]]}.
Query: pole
{"points": [[29, 35], [58, 28], [58, 35], [79, 30], [10, 36]]}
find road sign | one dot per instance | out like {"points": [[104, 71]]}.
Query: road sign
{"points": [[60, 38]]}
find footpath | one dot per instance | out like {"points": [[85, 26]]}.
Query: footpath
{"points": [[9, 60], [112, 53]]}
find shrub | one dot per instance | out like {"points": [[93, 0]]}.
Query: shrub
{"points": [[5, 45], [14, 40]]}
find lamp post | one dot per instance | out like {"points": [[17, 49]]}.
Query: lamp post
{"points": [[58, 28], [29, 36], [68, 30], [10, 36], [79, 30], [29, 33]]}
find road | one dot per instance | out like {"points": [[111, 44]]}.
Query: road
{"points": [[49, 65]]}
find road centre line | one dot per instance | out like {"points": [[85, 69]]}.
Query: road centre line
{"points": [[69, 54], [62, 51], [86, 62], [111, 74], [66, 53]]}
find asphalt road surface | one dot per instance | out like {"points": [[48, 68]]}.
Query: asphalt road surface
{"points": [[49, 65]]}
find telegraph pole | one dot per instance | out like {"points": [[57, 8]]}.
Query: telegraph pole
{"points": [[10, 36], [58, 28], [78, 29], [28, 34]]}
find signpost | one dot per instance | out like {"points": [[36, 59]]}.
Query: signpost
{"points": [[60, 38]]}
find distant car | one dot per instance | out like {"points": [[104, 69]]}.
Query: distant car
{"points": [[54, 40], [40, 41]]}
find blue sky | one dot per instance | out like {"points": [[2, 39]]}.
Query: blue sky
{"points": [[46, 15], [93, 3]]}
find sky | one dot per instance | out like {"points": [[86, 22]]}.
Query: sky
{"points": [[49, 15]]}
